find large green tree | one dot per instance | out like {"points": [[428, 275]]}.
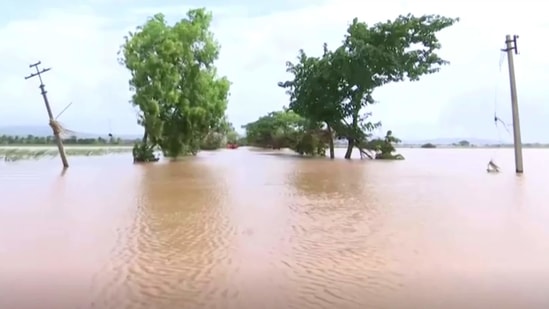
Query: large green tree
{"points": [[178, 94], [336, 87]]}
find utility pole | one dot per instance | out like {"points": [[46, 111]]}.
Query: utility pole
{"points": [[511, 48], [53, 124]]}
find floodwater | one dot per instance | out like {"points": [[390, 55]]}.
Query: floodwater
{"points": [[246, 229]]}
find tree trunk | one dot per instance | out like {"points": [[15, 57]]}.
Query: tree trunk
{"points": [[350, 146], [352, 138], [145, 136], [331, 141]]}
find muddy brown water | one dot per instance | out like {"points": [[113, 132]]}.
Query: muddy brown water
{"points": [[246, 229]]}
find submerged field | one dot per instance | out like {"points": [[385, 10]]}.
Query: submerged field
{"points": [[250, 229], [18, 153]]}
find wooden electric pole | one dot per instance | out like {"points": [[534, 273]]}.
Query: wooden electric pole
{"points": [[511, 48], [53, 125]]}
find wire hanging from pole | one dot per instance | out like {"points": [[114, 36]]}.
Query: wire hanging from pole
{"points": [[64, 109], [501, 59], [496, 118], [492, 166]]}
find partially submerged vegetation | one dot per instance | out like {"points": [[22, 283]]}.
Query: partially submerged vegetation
{"points": [[26, 153], [286, 129], [383, 149], [143, 152], [329, 94], [180, 98], [32, 140], [182, 101]]}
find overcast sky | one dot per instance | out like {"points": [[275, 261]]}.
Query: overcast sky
{"points": [[80, 39]]}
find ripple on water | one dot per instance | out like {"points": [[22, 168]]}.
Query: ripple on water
{"points": [[170, 254], [239, 230], [336, 256]]}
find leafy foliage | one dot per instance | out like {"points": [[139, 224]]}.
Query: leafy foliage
{"points": [[336, 87], [176, 89], [384, 148], [286, 129], [220, 135], [143, 152], [314, 94], [212, 141]]}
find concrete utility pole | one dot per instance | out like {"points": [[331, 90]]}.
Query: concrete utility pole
{"points": [[511, 47], [53, 125]]}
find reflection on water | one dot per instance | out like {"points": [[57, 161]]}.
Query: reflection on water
{"points": [[172, 254], [248, 229], [341, 252]]}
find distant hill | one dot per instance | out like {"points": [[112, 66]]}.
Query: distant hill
{"points": [[43, 131], [450, 141], [437, 141], [26, 130]]}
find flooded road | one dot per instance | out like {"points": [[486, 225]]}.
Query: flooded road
{"points": [[245, 229]]}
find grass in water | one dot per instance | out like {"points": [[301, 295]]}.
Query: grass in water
{"points": [[17, 154]]}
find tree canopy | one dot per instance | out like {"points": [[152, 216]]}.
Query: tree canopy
{"points": [[286, 129], [179, 97], [219, 135], [313, 93], [336, 87], [181, 100]]}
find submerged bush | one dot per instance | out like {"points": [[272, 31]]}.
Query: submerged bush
{"points": [[142, 152], [383, 148]]}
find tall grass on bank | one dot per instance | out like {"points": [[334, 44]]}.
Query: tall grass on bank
{"points": [[17, 154]]}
